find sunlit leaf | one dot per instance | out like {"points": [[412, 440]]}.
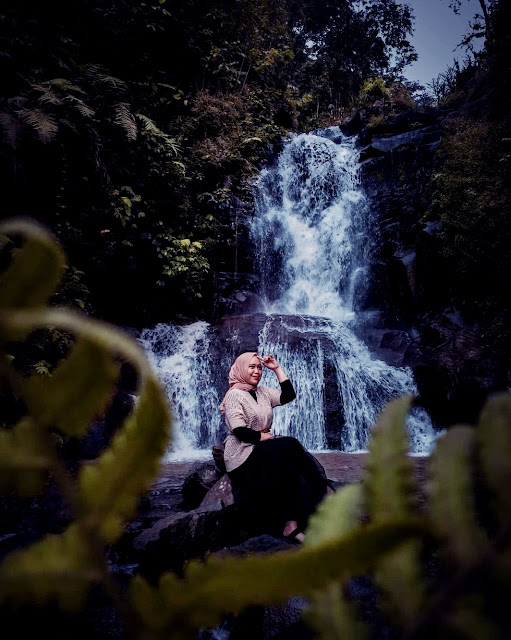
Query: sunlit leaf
{"points": [[451, 489], [494, 434], [59, 568], [337, 515], [111, 486], [24, 459], [330, 615], [76, 392], [22, 284], [389, 490]]}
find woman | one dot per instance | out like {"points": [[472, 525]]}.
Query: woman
{"points": [[276, 482]]}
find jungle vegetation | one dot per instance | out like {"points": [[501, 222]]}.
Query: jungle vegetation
{"points": [[132, 129]]}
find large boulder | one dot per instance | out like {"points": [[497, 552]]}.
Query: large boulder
{"points": [[219, 496], [201, 477], [172, 541]]}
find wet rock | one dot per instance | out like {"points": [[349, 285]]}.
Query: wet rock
{"points": [[388, 143], [219, 496], [172, 541], [200, 479]]}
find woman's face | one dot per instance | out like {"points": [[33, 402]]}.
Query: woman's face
{"points": [[255, 370]]}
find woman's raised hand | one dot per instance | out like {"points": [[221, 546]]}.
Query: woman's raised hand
{"points": [[269, 362]]}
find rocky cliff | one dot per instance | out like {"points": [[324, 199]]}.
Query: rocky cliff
{"points": [[409, 319]]}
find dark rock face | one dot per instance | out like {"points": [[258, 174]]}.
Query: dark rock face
{"points": [[201, 478], [219, 496], [172, 541], [453, 368]]}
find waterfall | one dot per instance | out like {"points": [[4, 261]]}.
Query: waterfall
{"points": [[312, 233], [181, 357]]}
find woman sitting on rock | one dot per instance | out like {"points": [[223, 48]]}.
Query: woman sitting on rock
{"points": [[276, 482]]}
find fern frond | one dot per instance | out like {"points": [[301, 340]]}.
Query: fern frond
{"points": [[451, 488], [43, 124], [67, 123], [21, 285], [147, 124], [84, 109], [389, 493], [124, 118], [330, 614], [11, 128], [229, 584], [24, 459], [64, 84], [494, 434], [55, 401], [57, 568], [150, 127], [97, 72], [48, 96]]}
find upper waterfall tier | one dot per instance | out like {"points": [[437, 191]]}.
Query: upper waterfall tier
{"points": [[310, 227]]}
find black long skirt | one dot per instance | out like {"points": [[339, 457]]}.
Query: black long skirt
{"points": [[279, 481]]}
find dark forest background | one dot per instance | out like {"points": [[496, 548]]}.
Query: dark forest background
{"points": [[133, 131]]}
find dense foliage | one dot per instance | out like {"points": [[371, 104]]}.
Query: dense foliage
{"points": [[133, 129], [376, 529], [471, 187]]}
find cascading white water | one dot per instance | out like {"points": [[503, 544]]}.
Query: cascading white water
{"points": [[309, 227], [312, 229], [181, 358]]}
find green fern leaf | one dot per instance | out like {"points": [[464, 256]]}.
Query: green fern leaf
{"points": [[150, 127], [227, 585], [48, 96], [337, 515], [64, 85], [330, 615], [76, 392], [21, 285], [494, 434], [111, 487], [24, 459], [81, 107], [389, 485], [59, 568], [451, 489], [124, 118], [96, 72], [42, 123], [389, 490]]}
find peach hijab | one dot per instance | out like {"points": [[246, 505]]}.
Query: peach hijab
{"points": [[238, 375]]}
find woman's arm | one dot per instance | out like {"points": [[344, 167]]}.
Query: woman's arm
{"points": [[270, 363], [245, 434], [287, 391]]}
